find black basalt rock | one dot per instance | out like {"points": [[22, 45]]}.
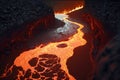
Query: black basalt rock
{"points": [[14, 13], [22, 19], [107, 11]]}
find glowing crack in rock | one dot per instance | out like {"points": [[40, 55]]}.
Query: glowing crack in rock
{"points": [[63, 50]]}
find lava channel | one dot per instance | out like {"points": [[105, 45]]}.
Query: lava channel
{"points": [[51, 55]]}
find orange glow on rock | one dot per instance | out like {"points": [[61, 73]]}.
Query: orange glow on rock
{"points": [[70, 11], [63, 49]]}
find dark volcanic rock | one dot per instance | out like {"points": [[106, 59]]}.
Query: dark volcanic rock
{"points": [[62, 45], [39, 68], [108, 61], [46, 69], [107, 11], [22, 19], [19, 21], [35, 75], [33, 61], [14, 13], [27, 74], [51, 67]]}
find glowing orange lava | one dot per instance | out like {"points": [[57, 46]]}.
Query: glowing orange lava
{"points": [[51, 48], [70, 11]]}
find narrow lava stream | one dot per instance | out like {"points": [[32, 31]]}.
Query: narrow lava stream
{"points": [[51, 48]]}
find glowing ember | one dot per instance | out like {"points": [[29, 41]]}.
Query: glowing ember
{"points": [[63, 50]]}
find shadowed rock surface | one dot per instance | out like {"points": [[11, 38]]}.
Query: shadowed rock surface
{"points": [[107, 11], [106, 56], [15, 13], [22, 19], [108, 61]]}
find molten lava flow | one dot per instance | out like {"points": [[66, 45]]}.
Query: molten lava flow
{"points": [[70, 11], [53, 48]]}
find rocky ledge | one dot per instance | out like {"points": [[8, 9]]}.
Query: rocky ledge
{"points": [[22, 19]]}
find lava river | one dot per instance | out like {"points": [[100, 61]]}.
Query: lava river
{"points": [[46, 53]]}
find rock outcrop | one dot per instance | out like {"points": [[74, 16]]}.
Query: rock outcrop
{"points": [[107, 59], [107, 11], [22, 19]]}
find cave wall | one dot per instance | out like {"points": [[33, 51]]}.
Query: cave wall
{"points": [[22, 19], [107, 59], [107, 11]]}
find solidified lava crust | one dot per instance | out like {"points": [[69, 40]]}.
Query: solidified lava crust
{"points": [[48, 67]]}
